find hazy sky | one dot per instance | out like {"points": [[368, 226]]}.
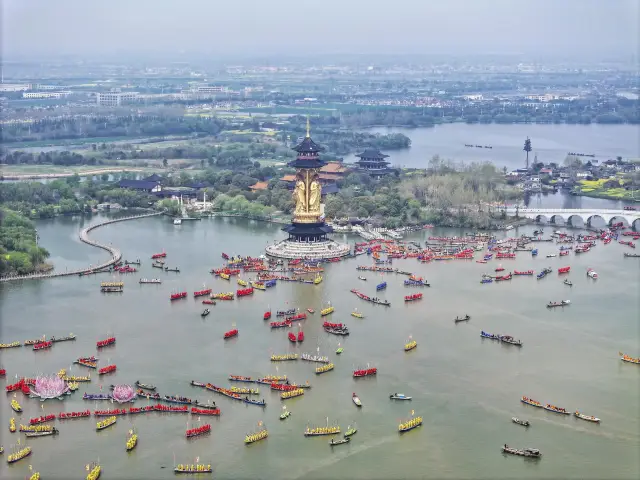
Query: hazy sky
{"points": [[273, 27]]}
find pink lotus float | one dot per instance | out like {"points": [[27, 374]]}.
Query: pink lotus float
{"points": [[123, 393], [46, 388]]}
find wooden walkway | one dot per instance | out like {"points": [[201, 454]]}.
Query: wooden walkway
{"points": [[116, 254]]}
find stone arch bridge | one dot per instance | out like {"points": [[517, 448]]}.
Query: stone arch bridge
{"points": [[630, 218]]}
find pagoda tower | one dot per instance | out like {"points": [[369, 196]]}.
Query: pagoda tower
{"points": [[308, 230], [373, 162]]}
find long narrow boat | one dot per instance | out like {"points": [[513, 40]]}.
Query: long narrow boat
{"points": [[342, 441], [107, 422], [193, 469], [554, 409], [145, 386], [531, 402], [626, 358], [527, 452], [46, 433], [132, 441], [196, 432], [207, 412], [410, 424], [19, 455], [68, 338], [239, 378], [256, 436], [588, 418]]}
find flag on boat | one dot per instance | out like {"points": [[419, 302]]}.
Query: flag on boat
{"points": [[413, 412]]}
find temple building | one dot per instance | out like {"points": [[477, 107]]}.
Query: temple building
{"points": [[308, 230], [373, 162]]}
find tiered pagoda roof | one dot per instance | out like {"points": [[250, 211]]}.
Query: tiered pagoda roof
{"points": [[308, 153], [372, 155]]}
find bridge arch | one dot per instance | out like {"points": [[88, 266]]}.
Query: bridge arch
{"points": [[554, 219], [594, 217], [575, 221], [635, 225], [542, 219], [618, 219]]}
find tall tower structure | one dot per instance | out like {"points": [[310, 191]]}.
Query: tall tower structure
{"points": [[308, 230]]}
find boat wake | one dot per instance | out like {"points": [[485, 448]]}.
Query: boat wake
{"points": [[339, 456]]}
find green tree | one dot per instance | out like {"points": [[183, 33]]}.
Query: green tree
{"points": [[527, 148]]}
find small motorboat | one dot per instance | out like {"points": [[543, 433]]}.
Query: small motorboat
{"points": [[350, 431], [362, 278], [145, 386], [466, 318], [311, 310], [551, 255], [284, 415], [558, 304], [592, 274], [567, 282], [527, 452], [357, 314], [339, 350], [356, 400], [524, 423], [399, 396], [205, 312], [339, 442]]}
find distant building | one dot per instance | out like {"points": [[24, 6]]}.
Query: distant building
{"points": [[115, 99], [373, 162], [143, 185], [259, 186], [332, 172], [14, 87], [45, 94]]}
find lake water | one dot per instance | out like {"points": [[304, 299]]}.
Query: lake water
{"points": [[467, 389], [550, 143]]}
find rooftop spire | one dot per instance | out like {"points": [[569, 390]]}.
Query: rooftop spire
{"points": [[308, 128]]}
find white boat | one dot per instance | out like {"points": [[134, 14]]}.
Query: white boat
{"points": [[591, 274], [177, 221], [356, 400], [551, 255], [524, 423], [588, 418], [399, 396]]}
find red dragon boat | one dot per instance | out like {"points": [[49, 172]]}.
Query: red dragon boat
{"points": [[108, 413], [502, 278], [412, 298], [292, 337], [135, 410], [243, 292], [210, 412], [564, 270], [201, 293], [225, 256], [208, 302], [267, 315], [158, 255], [14, 386], [283, 387], [564, 253], [528, 272], [499, 269], [68, 415], [231, 333], [107, 369], [167, 409], [43, 345], [365, 372], [42, 419], [299, 316], [178, 296], [194, 432], [332, 325], [3, 372], [240, 378], [300, 336], [283, 324]]}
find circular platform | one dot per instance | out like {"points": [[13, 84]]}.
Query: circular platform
{"points": [[308, 250]]}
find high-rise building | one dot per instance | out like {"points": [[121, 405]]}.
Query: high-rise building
{"points": [[115, 99]]}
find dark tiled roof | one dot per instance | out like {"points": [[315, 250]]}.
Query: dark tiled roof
{"points": [[307, 163], [308, 229], [153, 178], [330, 189], [198, 185], [308, 146], [372, 153], [137, 184]]}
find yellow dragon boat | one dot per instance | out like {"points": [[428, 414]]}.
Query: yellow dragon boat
{"points": [[15, 405], [292, 393], [284, 358], [226, 276], [357, 315], [37, 428], [325, 368], [73, 378], [242, 283], [223, 296], [94, 473], [326, 311], [10, 345], [132, 441], [274, 378], [246, 391], [19, 455], [258, 285], [193, 469], [35, 476], [256, 437], [107, 422], [12, 425], [410, 346], [73, 386], [410, 425]]}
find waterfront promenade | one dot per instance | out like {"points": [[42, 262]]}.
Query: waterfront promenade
{"points": [[116, 254]]}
